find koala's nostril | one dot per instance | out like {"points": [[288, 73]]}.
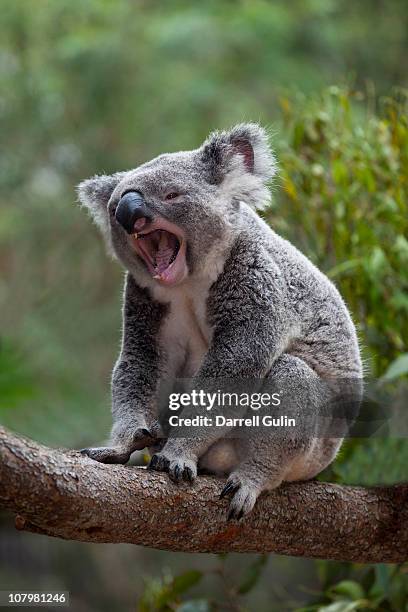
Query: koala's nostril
{"points": [[131, 209]]}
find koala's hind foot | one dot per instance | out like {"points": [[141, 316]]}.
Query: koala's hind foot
{"points": [[263, 469], [244, 494], [244, 486], [120, 451]]}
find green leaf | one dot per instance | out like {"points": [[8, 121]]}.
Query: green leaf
{"points": [[159, 594], [377, 261], [253, 574], [381, 586], [349, 588], [398, 368], [345, 266], [185, 581]]}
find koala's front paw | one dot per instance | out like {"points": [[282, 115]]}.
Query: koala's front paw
{"points": [[183, 469], [107, 454], [244, 495], [178, 468]]}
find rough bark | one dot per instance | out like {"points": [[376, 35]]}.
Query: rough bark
{"points": [[61, 493]]}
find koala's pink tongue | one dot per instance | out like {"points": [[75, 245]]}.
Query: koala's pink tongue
{"points": [[165, 251]]}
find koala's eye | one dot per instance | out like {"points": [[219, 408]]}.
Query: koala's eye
{"points": [[171, 196]]}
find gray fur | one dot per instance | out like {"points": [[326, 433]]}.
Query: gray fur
{"points": [[252, 306]]}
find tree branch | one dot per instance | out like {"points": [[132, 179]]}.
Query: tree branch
{"points": [[63, 494]]}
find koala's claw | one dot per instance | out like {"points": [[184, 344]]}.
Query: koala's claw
{"points": [[244, 495], [182, 470], [176, 474], [159, 463], [230, 487], [107, 454], [232, 514], [189, 474]]}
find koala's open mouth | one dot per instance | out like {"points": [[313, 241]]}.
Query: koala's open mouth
{"points": [[163, 249]]}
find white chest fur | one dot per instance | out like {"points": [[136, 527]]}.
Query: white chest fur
{"points": [[185, 334]]}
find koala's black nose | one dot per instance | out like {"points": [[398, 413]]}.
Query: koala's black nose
{"points": [[132, 207]]}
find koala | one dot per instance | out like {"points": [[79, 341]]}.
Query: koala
{"points": [[211, 291]]}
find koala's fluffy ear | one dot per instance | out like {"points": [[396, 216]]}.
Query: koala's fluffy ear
{"points": [[94, 194], [241, 161]]}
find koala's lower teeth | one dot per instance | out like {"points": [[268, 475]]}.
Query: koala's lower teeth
{"points": [[160, 248]]}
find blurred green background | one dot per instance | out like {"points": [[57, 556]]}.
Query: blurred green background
{"points": [[94, 86]]}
